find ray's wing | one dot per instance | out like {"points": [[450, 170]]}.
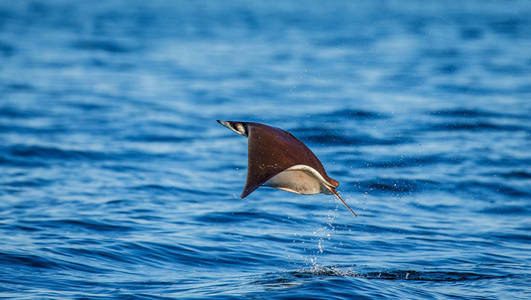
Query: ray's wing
{"points": [[272, 150]]}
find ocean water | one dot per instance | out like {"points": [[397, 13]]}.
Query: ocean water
{"points": [[117, 182]]}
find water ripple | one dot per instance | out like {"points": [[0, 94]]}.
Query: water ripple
{"points": [[395, 274], [116, 181], [102, 45]]}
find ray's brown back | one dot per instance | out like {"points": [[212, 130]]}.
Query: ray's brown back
{"points": [[273, 150]]}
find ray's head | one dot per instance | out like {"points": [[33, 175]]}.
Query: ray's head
{"points": [[238, 127]]}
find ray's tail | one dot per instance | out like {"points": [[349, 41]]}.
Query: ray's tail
{"points": [[343, 201]]}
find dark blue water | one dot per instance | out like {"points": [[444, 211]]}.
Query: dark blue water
{"points": [[116, 181]]}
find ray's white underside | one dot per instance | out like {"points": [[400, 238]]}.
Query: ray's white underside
{"points": [[300, 179]]}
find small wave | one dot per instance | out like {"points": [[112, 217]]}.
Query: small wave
{"points": [[469, 89], [242, 216], [500, 188], [471, 33], [14, 112], [7, 49], [19, 87], [89, 107], [396, 274], [22, 129], [37, 182], [110, 65], [158, 138], [516, 162], [513, 237], [173, 190], [333, 139], [158, 253], [515, 175], [506, 69], [283, 279], [448, 68], [344, 41], [20, 163], [41, 260], [428, 276], [357, 114], [70, 224], [442, 53], [95, 254], [42, 152], [410, 161], [397, 185], [510, 26], [122, 167], [29, 260], [32, 261], [506, 210], [465, 113], [120, 255], [101, 45], [331, 136], [474, 126]]}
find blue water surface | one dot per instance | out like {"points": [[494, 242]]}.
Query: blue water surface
{"points": [[116, 181]]}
